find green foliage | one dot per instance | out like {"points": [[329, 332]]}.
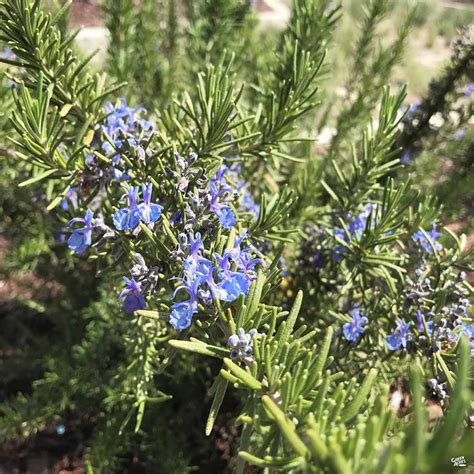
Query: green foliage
{"points": [[216, 26], [74, 89], [369, 77], [303, 396], [140, 50]]}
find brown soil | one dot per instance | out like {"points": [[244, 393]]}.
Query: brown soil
{"points": [[85, 13]]}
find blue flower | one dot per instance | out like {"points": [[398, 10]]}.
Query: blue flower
{"points": [[120, 125], [248, 203], [234, 284], [60, 429], [231, 284], [282, 266], [217, 188], [7, 53], [195, 244], [182, 312], [420, 238], [71, 196], [338, 253], [181, 315], [469, 90], [226, 216], [400, 337], [406, 157], [243, 258], [149, 212], [319, 260], [353, 329], [119, 175], [128, 217], [412, 109], [355, 229], [81, 238], [207, 282], [420, 326], [131, 296], [468, 330], [196, 267]]}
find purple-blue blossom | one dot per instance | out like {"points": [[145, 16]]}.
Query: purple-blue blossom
{"points": [[181, 315], [355, 229], [469, 90], [411, 109], [128, 217], [131, 296], [204, 281], [468, 331], [121, 124], [247, 202], [354, 329], [226, 216], [7, 53], [400, 337], [149, 212], [218, 189], [182, 312], [81, 238], [420, 326], [433, 234], [70, 198], [319, 261], [406, 157]]}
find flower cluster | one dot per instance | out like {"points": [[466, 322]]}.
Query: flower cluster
{"points": [[126, 218], [123, 127], [213, 199], [325, 248], [203, 199], [241, 344], [122, 124], [203, 281], [417, 290], [433, 329]]}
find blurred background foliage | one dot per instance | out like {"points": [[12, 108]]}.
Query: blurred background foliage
{"points": [[59, 324]]}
